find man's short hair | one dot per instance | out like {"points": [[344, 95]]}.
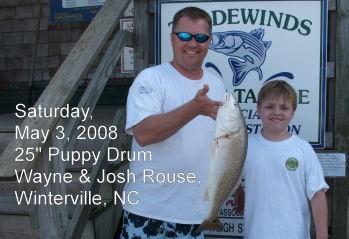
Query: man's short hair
{"points": [[193, 13], [276, 89]]}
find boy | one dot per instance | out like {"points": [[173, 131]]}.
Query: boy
{"points": [[282, 172]]}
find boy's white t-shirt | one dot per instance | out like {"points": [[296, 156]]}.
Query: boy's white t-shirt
{"points": [[158, 90], [280, 178]]}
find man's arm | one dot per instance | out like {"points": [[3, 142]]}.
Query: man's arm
{"points": [[156, 128], [319, 209]]}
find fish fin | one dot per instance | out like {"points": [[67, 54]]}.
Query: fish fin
{"points": [[206, 197], [239, 70], [258, 33], [266, 44], [260, 73], [213, 225]]}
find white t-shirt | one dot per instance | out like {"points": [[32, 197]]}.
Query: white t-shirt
{"points": [[157, 90], [280, 178]]}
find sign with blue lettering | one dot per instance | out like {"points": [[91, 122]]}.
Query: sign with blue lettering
{"points": [[60, 14], [81, 3], [71, 11], [254, 42]]}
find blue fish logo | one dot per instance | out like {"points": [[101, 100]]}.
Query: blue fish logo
{"points": [[247, 51]]}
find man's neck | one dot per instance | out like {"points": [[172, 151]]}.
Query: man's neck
{"points": [[190, 74]]}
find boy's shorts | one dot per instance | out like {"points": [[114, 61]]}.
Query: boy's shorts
{"points": [[138, 227]]}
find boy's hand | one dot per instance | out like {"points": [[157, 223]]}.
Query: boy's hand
{"points": [[319, 208]]}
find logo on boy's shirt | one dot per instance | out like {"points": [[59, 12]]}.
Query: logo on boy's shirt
{"points": [[291, 164]]}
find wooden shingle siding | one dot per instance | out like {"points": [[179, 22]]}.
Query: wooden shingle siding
{"points": [[25, 37]]}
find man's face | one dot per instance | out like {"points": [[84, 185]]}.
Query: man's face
{"points": [[189, 55]]}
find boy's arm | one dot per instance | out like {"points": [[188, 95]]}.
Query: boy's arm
{"points": [[319, 209]]}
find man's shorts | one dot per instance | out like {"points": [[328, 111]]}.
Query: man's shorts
{"points": [[138, 227]]}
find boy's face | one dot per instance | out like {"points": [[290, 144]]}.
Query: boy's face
{"points": [[276, 114]]}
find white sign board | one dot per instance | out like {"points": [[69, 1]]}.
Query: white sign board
{"points": [[88, 3], [333, 164], [127, 60], [127, 55], [81, 3], [254, 42], [126, 24]]}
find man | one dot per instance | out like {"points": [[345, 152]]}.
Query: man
{"points": [[170, 112]]}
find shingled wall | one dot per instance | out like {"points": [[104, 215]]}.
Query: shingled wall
{"points": [[26, 35], [19, 22]]}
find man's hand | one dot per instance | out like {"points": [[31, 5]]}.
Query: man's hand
{"points": [[156, 128], [204, 105]]}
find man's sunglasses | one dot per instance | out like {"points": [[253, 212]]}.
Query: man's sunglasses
{"points": [[186, 36]]}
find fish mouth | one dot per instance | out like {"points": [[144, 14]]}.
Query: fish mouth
{"points": [[216, 41], [229, 97]]}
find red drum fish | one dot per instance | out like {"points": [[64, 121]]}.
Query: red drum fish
{"points": [[228, 153]]}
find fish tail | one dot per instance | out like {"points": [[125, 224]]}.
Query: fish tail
{"points": [[209, 225], [239, 69]]}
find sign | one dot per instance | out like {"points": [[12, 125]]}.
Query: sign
{"points": [[127, 55], [231, 222], [72, 11], [254, 42], [333, 164], [127, 60], [126, 24], [60, 15], [81, 3]]}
